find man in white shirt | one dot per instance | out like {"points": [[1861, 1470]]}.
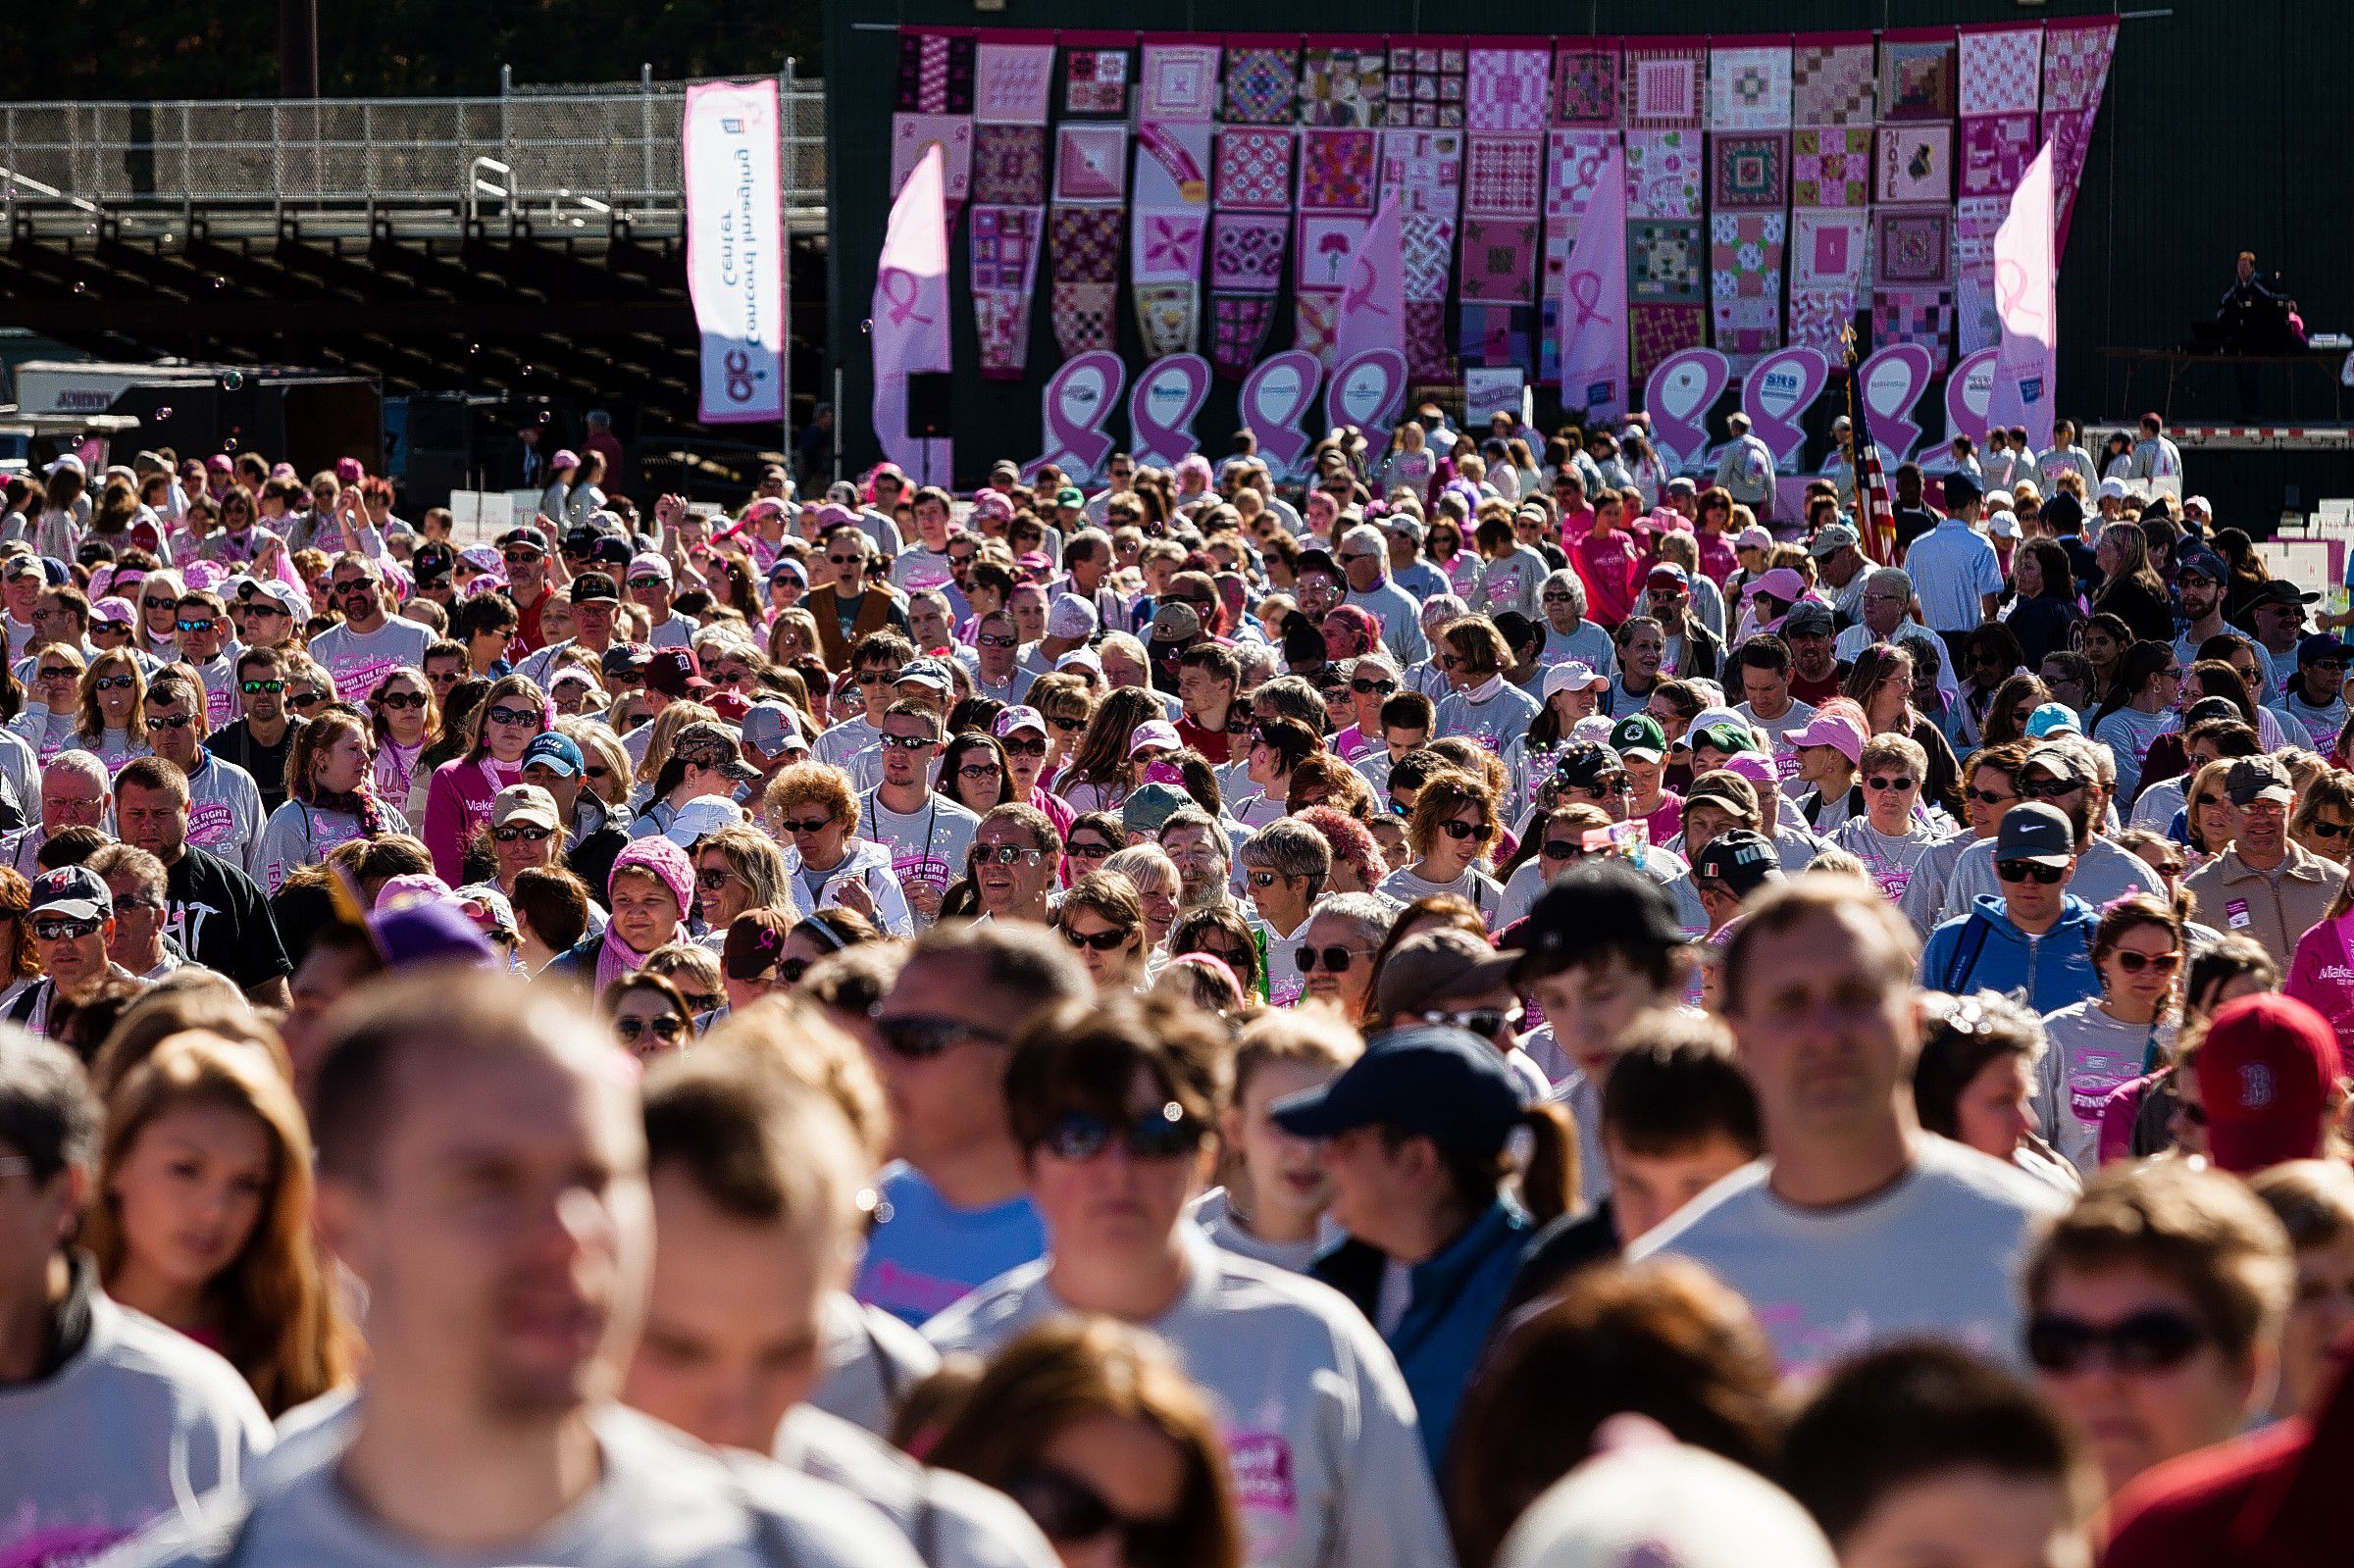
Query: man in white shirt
{"points": [[1857, 1226], [652, 586], [369, 644], [1746, 467], [2155, 457]]}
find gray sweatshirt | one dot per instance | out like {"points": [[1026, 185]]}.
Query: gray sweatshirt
{"points": [[136, 1426], [1327, 1460]]}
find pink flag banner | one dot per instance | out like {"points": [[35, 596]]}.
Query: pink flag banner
{"points": [[1372, 310], [2075, 70], [1594, 325], [910, 314], [1573, 161], [2026, 277]]}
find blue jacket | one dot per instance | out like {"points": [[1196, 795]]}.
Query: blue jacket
{"points": [[1983, 951], [1455, 1301]]}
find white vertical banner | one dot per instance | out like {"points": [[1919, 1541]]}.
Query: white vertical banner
{"points": [[736, 249], [2027, 297]]}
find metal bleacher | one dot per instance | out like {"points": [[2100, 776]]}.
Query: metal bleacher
{"points": [[567, 157]]}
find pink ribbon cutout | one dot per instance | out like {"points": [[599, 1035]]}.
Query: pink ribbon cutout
{"points": [[903, 306]]}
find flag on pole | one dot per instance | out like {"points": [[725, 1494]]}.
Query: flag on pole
{"points": [[1373, 304], [1594, 369], [2026, 300], [910, 322], [736, 249], [1875, 508]]}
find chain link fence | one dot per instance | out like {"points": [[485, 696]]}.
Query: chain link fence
{"points": [[618, 145]]}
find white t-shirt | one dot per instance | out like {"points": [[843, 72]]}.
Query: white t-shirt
{"points": [[360, 662], [660, 1498], [1937, 1255], [1320, 1430], [927, 845]]}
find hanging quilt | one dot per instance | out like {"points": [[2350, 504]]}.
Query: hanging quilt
{"points": [[1342, 82], [1659, 331], [1749, 85], [1913, 276], [1339, 171], [1977, 325], [1423, 88], [1171, 213], [1666, 260], [1499, 260], [1014, 78], [1752, 169], [1665, 176], [1915, 163], [1833, 81], [1828, 266], [1005, 243], [1665, 84], [1250, 238], [1326, 246], [1504, 176], [1585, 82], [936, 73], [1508, 87], [1178, 79], [1917, 74], [2075, 70], [1260, 80], [1083, 250], [1098, 70], [2001, 87], [1745, 283], [1831, 166]]}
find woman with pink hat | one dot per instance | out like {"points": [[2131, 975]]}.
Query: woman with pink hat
{"points": [[556, 502], [1829, 750]]}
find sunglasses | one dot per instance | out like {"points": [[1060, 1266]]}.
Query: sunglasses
{"points": [[158, 604], [1265, 879], [530, 834], [909, 742], [1069, 727], [2152, 1341], [2134, 963], [999, 640], [919, 1039], [1089, 850], [979, 769], [1336, 960], [1068, 1511], [649, 582], [2027, 870], [2330, 830], [58, 672], [169, 720], [813, 825], [58, 931], [506, 715], [2047, 789], [197, 625], [1164, 1133], [1365, 688], [519, 557], [402, 699], [1987, 797], [309, 699], [1005, 855], [667, 1026], [876, 677], [1101, 942], [1882, 785], [254, 688], [1488, 1023], [1561, 849], [1459, 830], [114, 682], [109, 628]]}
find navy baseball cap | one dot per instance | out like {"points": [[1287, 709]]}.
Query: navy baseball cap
{"points": [[1431, 1082], [74, 891], [2206, 562], [2320, 648], [560, 754]]}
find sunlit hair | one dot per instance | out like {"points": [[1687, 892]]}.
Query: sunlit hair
{"points": [[278, 1320]]}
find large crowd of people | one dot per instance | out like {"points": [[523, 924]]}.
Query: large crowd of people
{"points": [[1502, 1006]]}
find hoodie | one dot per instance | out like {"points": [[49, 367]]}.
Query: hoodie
{"points": [[1983, 951], [870, 863]]}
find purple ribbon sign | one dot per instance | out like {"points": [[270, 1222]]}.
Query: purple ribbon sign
{"points": [[1078, 400], [1277, 393], [1161, 407], [1893, 382], [1366, 390], [1681, 391], [1970, 396], [1776, 394]]}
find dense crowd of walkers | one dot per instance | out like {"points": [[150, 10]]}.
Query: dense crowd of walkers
{"points": [[1500, 1006]]}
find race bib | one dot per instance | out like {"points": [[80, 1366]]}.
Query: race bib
{"points": [[2235, 915]]}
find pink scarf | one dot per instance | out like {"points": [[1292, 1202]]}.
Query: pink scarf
{"points": [[652, 856]]}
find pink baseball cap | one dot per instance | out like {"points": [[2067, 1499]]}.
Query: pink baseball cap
{"points": [[1154, 732], [349, 470], [1833, 729]]}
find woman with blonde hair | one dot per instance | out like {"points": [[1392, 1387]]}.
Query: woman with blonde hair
{"points": [[1160, 889], [201, 1215], [112, 709], [52, 711], [1090, 1426], [1102, 919]]}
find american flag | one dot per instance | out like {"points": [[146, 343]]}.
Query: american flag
{"points": [[1875, 508]]}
